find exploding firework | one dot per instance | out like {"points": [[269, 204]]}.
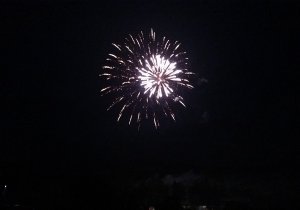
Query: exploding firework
{"points": [[145, 76]]}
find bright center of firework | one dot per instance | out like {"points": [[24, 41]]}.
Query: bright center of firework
{"points": [[156, 75]]}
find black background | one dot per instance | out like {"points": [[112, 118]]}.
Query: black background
{"points": [[60, 147]]}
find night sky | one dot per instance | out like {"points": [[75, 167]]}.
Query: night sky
{"points": [[58, 142]]}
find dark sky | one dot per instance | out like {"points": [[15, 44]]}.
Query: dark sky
{"points": [[55, 124]]}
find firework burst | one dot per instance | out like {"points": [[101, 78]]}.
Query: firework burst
{"points": [[145, 76]]}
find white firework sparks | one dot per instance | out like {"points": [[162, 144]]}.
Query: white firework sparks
{"points": [[145, 75]]}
